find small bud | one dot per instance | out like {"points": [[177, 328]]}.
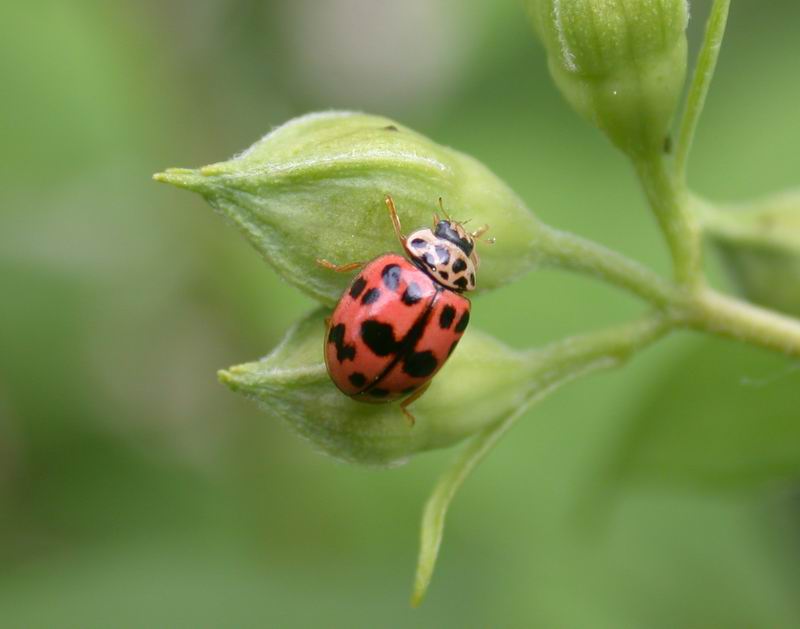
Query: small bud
{"points": [[483, 382], [619, 63], [315, 188], [760, 244]]}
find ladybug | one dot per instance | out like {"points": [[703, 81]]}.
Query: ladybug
{"points": [[401, 318]]}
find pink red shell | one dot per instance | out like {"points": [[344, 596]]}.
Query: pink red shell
{"points": [[393, 329]]}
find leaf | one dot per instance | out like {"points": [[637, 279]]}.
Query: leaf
{"points": [[436, 508], [726, 417], [556, 365]]}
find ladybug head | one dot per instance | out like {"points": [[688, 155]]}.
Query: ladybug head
{"points": [[447, 253]]}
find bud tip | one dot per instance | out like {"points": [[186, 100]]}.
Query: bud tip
{"points": [[227, 378], [183, 178]]}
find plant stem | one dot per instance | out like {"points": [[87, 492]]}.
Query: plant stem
{"points": [[669, 200], [571, 252], [693, 307], [719, 314], [704, 72], [611, 346]]}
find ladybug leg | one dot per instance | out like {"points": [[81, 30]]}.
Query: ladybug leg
{"points": [[339, 268], [480, 232], [411, 399], [398, 231], [327, 322]]}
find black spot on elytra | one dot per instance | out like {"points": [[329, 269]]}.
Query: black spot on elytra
{"points": [[412, 294], [378, 392], [420, 364], [462, 322], [472, 279], [357, 287], [443, 253], [336, 334], [459, 265], [408, 390], [461, 282], [379, 337], [371, 296], [391, 276], [444, 275], [452, 347], [446, 317], [357, 379], [418, 243], [343, 350]]}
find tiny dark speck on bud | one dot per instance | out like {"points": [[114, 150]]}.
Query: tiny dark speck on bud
{"points": [[390, 127], [668, 144]]}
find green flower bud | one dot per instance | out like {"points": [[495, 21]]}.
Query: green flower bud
{"points": [[315, 188], [482, 383], [619, 63], [760, 244]]}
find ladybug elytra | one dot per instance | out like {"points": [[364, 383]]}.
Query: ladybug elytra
{"points": [[401, 318]]}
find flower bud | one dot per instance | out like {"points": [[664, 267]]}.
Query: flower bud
{"points": [[619, 63], [483, 382], [760, 244], [315, 188]]}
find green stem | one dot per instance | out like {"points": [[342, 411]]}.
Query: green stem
{"points": [[669, 200], [704, 72], [611, 346], [571, 252], [694, 307], [725, 316]]}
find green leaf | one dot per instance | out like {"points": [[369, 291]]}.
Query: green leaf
{"points": [[555, 365], [443, 493], [726, 417], [315, 187]]}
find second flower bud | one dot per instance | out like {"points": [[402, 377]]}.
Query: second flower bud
{"points": [[619, 63]]}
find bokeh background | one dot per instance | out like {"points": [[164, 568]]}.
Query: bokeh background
{"points": [[136, 491]]}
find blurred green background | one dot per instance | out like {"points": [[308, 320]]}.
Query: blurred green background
{"points": [[136, 491]]}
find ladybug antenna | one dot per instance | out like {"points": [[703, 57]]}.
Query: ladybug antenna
{"points": [[441, 207]]}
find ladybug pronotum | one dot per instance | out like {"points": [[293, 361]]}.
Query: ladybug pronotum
{"points": [[401, 318]]}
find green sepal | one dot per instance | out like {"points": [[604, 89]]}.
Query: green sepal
{"points": [[482, 382], [760, 245], [315, 188]]}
